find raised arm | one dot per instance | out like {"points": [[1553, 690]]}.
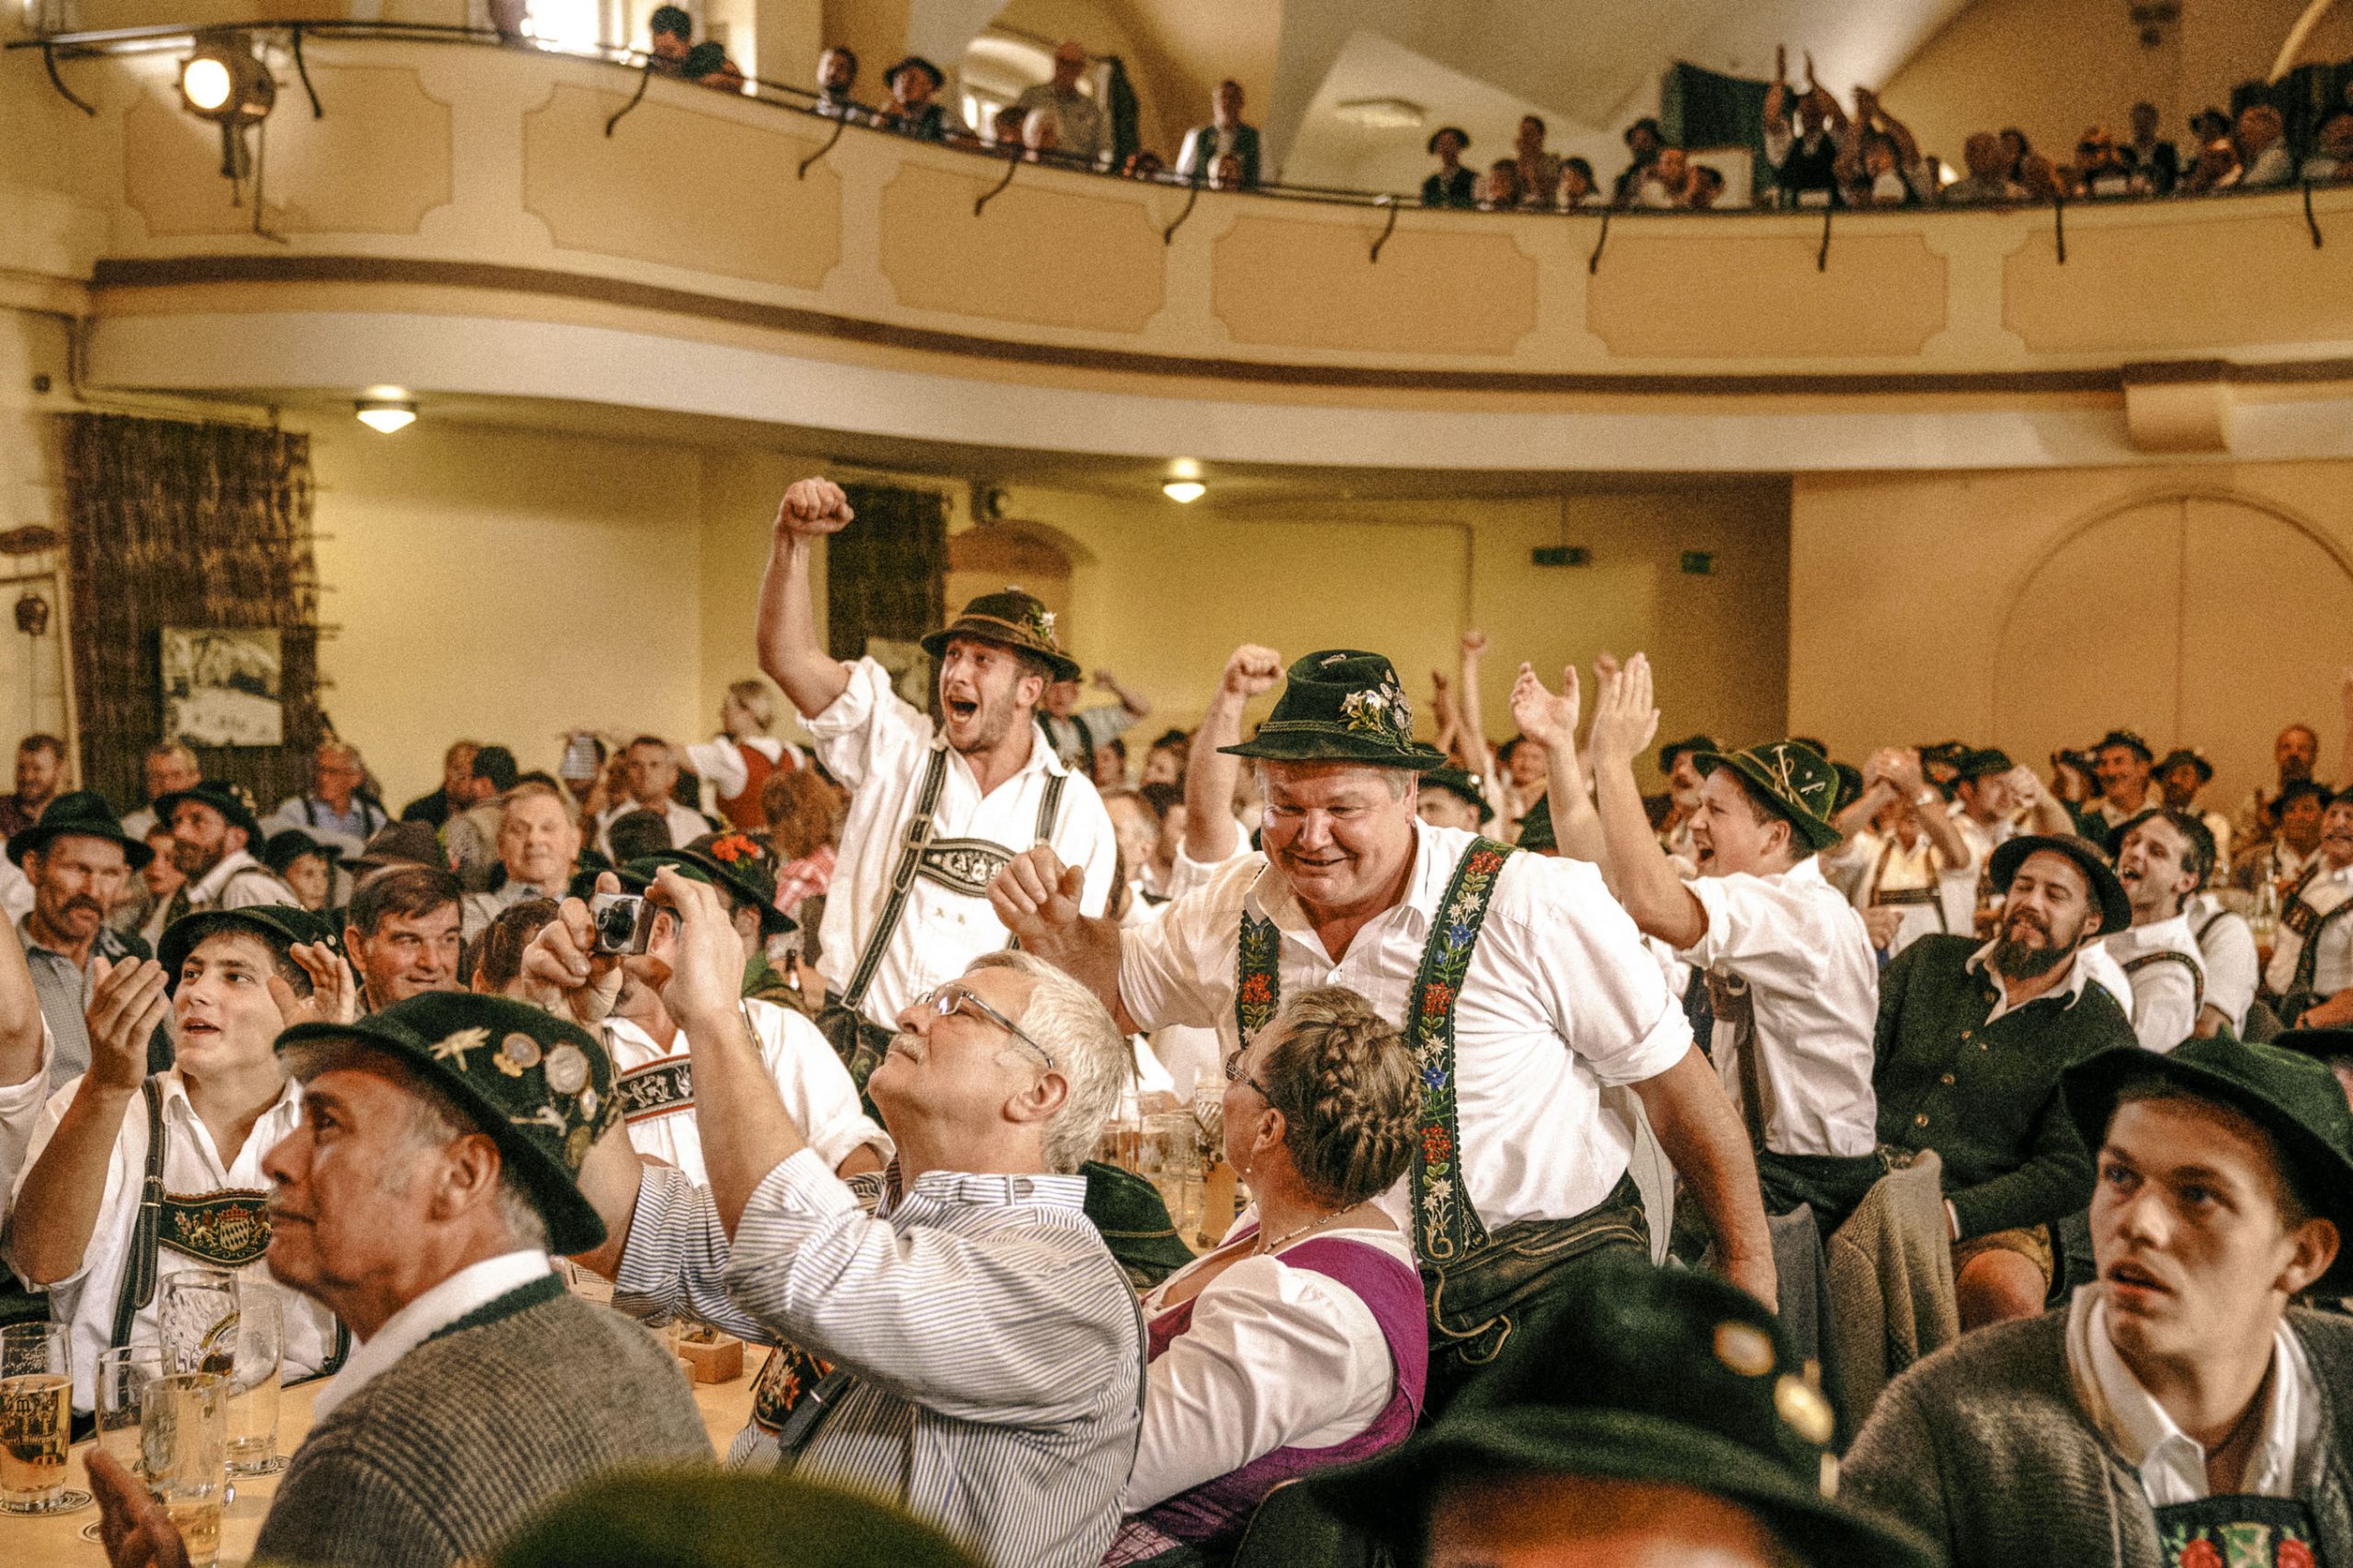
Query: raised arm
{"points": [[2044, 814], [1625, 721], [1209, 773], [1474, 729], [1136, 706], [789, 649], [20, 1025], [1551, 722], [1902, 769], [1037, 897]]}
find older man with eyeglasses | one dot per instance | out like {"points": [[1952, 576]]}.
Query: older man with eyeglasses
{"points": [[985, 1354]]}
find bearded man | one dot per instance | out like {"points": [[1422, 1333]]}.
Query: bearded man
{"points": [[1971, 1042]]}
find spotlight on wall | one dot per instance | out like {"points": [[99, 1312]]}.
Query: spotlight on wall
{"points": [[1183, 491], [223, 81], [385, 416]]}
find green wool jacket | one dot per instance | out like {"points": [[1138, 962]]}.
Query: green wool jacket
{"points": [[1983, 1449], [468, 1436], [1985, 1096]]}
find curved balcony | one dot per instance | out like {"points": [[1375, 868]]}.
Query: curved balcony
{"points": [[523, 222]]}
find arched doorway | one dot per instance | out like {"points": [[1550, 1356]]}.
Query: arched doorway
{"points": [[2198, 619]]}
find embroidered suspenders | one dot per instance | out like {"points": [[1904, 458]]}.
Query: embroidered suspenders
{"points": [[1446, 1227], [656, 1089], [2311, 925]]}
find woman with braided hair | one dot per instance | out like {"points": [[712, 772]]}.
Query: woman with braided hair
{"points": [[1303, 1340]]}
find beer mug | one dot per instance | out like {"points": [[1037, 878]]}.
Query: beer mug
{"points": [[184, 1453], [124, 1372], [36, 1419], [256, 1371], [198, 1314]]}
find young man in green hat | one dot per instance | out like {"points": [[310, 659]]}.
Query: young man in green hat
{"points": [[433, 1169], [936, 809], [1526, 992], [2179, 1412], [1791, 976], [1452, 797], [227, 981], [78, 860]]}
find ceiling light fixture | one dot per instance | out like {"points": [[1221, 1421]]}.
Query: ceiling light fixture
{"points": [[1183, 491], [385, 416], [224, 82], [1381, 114]]}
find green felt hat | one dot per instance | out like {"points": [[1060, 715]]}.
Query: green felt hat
{"points": [[2130, 739], [83, 813], [1983, 763], [234, 801], [1341, 705], [1535, 827], [1797, 781], [700, 866], [1135, 1224], [2115, 908], [1010, 620], [1673, 749], [711, 1518], [2324, 1044], [280, 924], [2291, 1094], [2191, 755], [541, 1088], [1463, 785], [1641, 1374], [289, 845]]}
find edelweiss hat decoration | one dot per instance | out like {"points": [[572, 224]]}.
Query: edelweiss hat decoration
{"points": [[1795, 780], [1011, 619], [1341, 705]]}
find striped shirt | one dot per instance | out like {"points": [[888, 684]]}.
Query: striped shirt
{"points": [[994, 1348]]}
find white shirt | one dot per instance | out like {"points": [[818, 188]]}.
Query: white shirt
{"points": [[817, 1091], [2227, 945], [2078, 976], [193, 1167], [1889, 868], [238, 881], [2099, 966], [1814, 984], [475, 1286], [2333, 971], [877, 746], [686, 825], [2171, 1465], [1560, 1002], [718, 764], [2165, 995], [1275, 1358]]}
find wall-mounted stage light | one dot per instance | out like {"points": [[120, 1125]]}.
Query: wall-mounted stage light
{"points": [[1183, 491], [223, 81], [385, 416]]}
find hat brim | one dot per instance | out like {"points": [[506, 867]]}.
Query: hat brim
{"points": [[1820, 833], [574, 1225], [2326, 1044], [1064, 667], [37, 840], [1331, 743], [2090, 1088], [166, 805], [1389, 1496], [774, 922], [2115, 907]]}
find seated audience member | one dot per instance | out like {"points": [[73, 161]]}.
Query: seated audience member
{"points": [[1913, 869], [162, 880], [1076, 732], [337, 809], [1988, 181], [1646, 141], [984, 1343], [1681, 804], [2125, 770], [1451, 798], [1499, 191], [1084, 130], [2162, 857], [228, 981], [737, 762], [539, 848], [400, 934], [457, 791], [1706, 191], [2332, 159], [804, 830], [636, 833], [1005, 130], [707, 1520], [1968, 1046], [650, 769], [304, 865], [1788, 970], [1804, 161], [42, 772], [470, 837], [1109, 768], [2180, 773], [1578, 187], [167, 770], [912, 111], [2101, 168], [838, 85], [1224, 136], [2156, 163], [1538, 170], [498, 951], [2261, 137], [1886, 166], [1660, 1418], [1303, 1340], [2293, 846], [1665, 182], [77, 858], [214, 834], [2309, 983], [1453, 184], [669, 34], [2179, 1407], [432, 1172], [1157, 879], [2215, 168]]}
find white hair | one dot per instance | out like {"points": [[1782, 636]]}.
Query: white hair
{"points": [[1076, 1030]]}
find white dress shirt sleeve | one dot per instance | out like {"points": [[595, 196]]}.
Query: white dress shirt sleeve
{"points": [[1759, 928], [718, 764], [868, 728], [1275, 1358], [1579, 951], [2164, 1005], [817, 1090], [2228, 945], [1179, 969], [20, 1106], [102, 1237]]}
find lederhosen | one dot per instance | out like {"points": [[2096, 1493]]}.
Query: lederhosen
{"points": [[2311, 925], [1480, 1285], [960, 865], [1830, 1185]]}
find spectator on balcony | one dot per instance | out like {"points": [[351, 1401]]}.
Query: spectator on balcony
{"points": [[2158, 164], [837, 76], [2262, 141], [1144, 163], [1988, 182], [2017, 149], [1880, 161], [1226, 135], [1041, 136], [1538, 171], [914, 84], [2102, 167], [1665, 182], [1224, 175], [1005, 130], [1706, 188], [1453, 185], [2217, 168], [2208, 125], [1499, 192], [1804, 160], [670, 40], [2332, 159], [1084, 133], [1643, 140]]}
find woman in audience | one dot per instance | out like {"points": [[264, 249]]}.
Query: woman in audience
{"points": [[1303, 1340]]}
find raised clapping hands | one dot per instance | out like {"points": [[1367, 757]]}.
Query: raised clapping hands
{"points": [[1548, 719], [1899, 769], [811, 509], [128, 1004], [1625, 716], [335, 995], [1036, 896]]}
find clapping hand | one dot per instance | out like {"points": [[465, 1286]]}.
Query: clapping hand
{"points": [[813, 508], [1548, 719], [335, 995], [1625, 716], [128, 1004]]}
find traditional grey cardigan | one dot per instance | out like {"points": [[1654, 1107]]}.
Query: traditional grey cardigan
{"points": [[1983, 1449], [441, 1456]]}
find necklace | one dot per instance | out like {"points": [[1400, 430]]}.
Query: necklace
{"points": [[1266, 1246]]}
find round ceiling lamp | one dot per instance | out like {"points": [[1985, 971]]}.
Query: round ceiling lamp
{"points": [[384, 415], [1184, 491], [223, 80]]}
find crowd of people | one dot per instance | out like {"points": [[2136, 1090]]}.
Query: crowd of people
{"points": [[1612, 1162]]}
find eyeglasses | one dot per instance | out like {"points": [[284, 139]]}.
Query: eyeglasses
{"points": [[952, 998], [1235, 1075]]}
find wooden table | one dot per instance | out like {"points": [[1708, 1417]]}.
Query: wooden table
{"points": [[56, 1541]]}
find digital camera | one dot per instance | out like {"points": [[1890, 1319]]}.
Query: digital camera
{"points": [[624, 924]]}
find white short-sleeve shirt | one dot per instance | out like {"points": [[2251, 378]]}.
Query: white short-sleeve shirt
{"points": [[2166, 992], [877, 746], [1560, 1002]]}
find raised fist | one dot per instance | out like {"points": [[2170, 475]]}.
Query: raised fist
{"points": [[813, 508], [1251, 670]]}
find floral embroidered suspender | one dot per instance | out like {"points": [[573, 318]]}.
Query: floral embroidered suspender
{"points": [[1446, 1227]]}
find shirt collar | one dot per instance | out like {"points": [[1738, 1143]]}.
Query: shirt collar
{"points": [[475, 1286], [2078, 976], [973, 1190], [218, 878], [34, 947], [172, 1085]]}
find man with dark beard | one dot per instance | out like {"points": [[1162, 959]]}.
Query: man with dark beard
{"points": [[936, 809], [1969, 1046]]}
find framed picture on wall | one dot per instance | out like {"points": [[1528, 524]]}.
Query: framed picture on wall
{"points": [[221, 687]]}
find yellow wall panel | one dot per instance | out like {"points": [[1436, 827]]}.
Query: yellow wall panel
{"points": [[1291, 284], [2133, 287], [1049, 258], [1725, 296]]}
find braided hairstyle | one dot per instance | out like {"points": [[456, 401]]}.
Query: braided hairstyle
{"points": [[1349, 1091]]}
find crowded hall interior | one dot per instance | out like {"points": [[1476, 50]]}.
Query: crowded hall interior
{"points": [[1176, 783]]}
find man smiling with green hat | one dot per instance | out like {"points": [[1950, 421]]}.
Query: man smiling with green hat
{"points": [[1523, 987]]}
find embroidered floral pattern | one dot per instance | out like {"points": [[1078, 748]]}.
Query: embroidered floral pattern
{"points": [[2205, 1534], [1381, 711], [1256, 995]]}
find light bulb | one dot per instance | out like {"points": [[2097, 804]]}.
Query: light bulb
{"points": [[1184, 490], [386, 417], [205, 81]]}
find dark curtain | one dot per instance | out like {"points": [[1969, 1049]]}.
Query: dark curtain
{"points": [[886, 574], [184, 523], [1122, 109], [1703, 108]]}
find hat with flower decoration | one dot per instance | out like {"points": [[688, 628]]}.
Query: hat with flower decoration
{"points": [[234, 801], [1341, 705], [1466, 787], [734, 861], [1012, 619], [541, 1088]]}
